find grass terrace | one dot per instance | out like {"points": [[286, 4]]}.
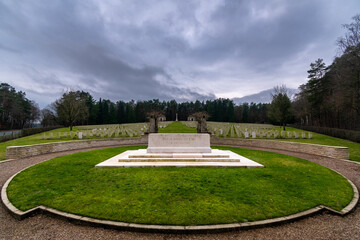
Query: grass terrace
{"points": [[236, 130], [180, 196]]}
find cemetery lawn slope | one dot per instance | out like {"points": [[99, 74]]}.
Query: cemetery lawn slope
{"points": [[354, 148], [179, 196], [177, 127]]}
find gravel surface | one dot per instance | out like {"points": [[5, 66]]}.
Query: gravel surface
{"points": [[323, 226]]}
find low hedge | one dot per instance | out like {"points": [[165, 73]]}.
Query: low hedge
{"points": [[28, 131], [334, 132]]}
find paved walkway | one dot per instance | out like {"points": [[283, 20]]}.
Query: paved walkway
{"points": [[324, 226]]}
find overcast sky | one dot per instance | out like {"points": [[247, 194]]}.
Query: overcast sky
{"points": [[183, 50]]}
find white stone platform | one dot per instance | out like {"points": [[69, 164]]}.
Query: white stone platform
{"points": [[217, 158], [179, 150]]}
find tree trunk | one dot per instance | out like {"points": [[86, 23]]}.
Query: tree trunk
{"points": [[71, 127]]}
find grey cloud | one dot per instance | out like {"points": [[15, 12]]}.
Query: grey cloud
{"points": [[64, 41], [119, 50]]}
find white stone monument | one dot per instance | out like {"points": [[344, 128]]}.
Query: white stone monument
{"points": [[179, 143], [179, 150]]}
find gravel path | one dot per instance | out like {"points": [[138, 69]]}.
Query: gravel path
{"points": [[323, 226]]}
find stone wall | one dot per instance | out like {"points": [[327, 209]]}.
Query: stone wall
{"points": [[16, 152], [315, 149]]}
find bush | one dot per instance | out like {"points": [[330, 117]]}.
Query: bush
{"points": [[334, 132], [27, 131]]}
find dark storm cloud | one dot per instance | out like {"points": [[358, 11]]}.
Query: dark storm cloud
{"points": [[182, 50], [57, 37], [263, 39]]}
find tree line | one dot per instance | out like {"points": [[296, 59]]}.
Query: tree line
{"points": [[16, 111], [331, 97], [80, 108]]}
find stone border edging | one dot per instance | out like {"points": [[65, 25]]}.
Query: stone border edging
{"points": [[19, 152], [336, 152], [18, 214]]}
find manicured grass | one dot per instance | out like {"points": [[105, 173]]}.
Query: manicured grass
{"points": [[181, 196], [177, 127]]}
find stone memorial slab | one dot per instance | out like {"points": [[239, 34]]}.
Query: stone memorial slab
{"points": [[179, 143]]}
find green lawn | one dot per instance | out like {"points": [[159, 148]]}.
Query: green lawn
{"points": [[177, 127], [181, 196]]}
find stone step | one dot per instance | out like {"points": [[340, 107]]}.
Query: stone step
{"points": [[179, 160], [179, 155], [183, 164]]}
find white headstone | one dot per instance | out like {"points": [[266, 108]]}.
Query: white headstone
{"points": [[253, 134], [283, 134], [303, 135], [80, 135], [246, 135]]}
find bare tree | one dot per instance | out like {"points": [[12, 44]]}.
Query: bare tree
{"points": [[71, 108], [48, 118], [352, 37], [280, 109]]}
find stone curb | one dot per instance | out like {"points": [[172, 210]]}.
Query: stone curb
{"points": [[8, 160], [18, 214]]}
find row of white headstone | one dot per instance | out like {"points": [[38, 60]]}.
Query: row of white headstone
{"points": [[104, 131], [239, 132]]}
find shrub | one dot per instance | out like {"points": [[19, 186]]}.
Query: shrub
{"points": [[334, 132]]}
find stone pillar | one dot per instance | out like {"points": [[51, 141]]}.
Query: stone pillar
{"points": [[153, 125], [203, 127], [176, 118]]}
